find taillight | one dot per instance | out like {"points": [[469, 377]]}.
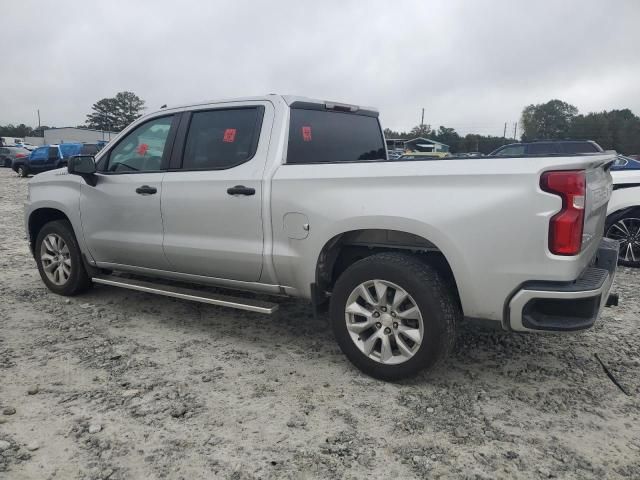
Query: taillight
{"points": [[565, 227], [20, 155]]}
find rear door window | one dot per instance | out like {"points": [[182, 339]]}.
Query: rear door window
{"points": [[320, 136], [543, 148], [578, 147], [222, 138]]}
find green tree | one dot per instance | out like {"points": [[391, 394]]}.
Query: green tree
{"points": [[617, 130], [551, 120], [115, 113], [420, 131], [449, 137]]}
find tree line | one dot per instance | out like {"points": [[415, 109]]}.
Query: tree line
{"points": [[472, 142], [554, 120]]}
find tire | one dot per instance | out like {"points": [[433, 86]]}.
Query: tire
{"points": [[77, 280], [7, 163], [436, 304], [23, 171], [625, 227]]}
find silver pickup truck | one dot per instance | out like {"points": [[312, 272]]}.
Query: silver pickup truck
{"points": [[290, 196]]}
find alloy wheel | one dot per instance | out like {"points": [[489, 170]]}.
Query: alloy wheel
{"points": [[384, 322], [56, 259], [627, 232]]}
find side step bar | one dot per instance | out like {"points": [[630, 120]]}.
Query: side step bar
{"points": [[189, 294]]}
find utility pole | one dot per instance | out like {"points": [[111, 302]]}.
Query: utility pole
{"points": [[515, 130], [504, 135], [38, 119], [422, 120]]}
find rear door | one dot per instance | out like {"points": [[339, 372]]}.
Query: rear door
{"points": [[212, 194]]}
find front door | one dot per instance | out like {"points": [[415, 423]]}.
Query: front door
{"points": [[212, 198], [121, 218]]}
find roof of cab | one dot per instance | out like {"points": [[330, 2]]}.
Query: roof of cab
{"points": [[288, 100]]}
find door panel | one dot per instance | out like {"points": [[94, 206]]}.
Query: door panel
{"points": [[120, 225], [121, 217], [208, 230]]}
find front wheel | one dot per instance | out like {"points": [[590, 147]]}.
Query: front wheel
{"points": [[393, 316], [626, 230], [59, 259], [23, 171]]}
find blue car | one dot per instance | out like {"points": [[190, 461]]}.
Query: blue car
{"points": [[625, 163], [50, 157]]}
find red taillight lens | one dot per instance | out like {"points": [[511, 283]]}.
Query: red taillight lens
{"points": [[565, 227], [20, 155]]}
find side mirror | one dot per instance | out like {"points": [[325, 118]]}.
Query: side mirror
{"points": [[85, 166]]}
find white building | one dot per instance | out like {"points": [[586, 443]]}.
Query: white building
{"points": [[72, 134]]}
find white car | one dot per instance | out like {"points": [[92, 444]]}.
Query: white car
{"points": [[623, 216]]}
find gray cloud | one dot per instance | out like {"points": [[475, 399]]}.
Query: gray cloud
{"points": [[472, 65]]}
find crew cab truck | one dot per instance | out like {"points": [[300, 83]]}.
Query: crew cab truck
{"points": [[291, 196]]}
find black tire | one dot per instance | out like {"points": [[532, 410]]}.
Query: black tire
{"points": [[435, 300], [23, 171], [631, 216], [78, 280], [7, 163]]}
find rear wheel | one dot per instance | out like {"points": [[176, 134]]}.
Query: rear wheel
{"points": [[393, 316], [59, 259], [626, 230], [23, 171]]}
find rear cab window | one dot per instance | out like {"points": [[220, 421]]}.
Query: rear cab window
{"points": [[326, 136]]}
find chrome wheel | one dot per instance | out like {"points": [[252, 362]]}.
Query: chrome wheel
{"points": [[56, 259], [384, 322], [627, 232]]}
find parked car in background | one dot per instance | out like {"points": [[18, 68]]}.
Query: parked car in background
{"points": [[626, 163], [8, 155], [50, 157], [623, 215], [547, 147]]}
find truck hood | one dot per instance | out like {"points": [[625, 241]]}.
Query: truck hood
{"points": [[49, 175]]}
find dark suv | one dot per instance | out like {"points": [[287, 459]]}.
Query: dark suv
{"points": [[547, 147]]}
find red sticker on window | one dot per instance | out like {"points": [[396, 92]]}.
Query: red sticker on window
{"points": [[306, 134], [142, 149], [229, 135]]}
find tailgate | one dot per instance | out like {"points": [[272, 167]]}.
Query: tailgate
{"points": [[598, 192]]}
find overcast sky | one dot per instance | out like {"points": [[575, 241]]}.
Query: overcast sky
{"points": [[472, 65]]}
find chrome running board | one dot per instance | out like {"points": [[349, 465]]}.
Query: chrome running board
{"points": [[188, 294]]}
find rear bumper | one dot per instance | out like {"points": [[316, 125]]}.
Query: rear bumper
{"points": [[566, 306]]}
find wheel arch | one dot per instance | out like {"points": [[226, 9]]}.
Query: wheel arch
{"points": [[39, 218], [346, 248]]}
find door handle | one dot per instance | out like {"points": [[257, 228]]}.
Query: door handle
{"points": [[241, 190], [146, 190]]}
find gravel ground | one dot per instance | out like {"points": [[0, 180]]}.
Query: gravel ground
{"points": [[119, 384]]}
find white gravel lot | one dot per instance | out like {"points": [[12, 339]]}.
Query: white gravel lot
{"points": [[118, 384]]}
